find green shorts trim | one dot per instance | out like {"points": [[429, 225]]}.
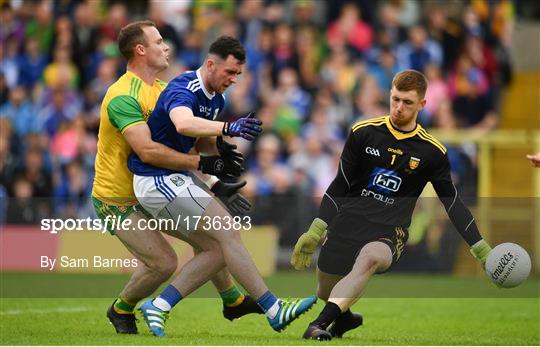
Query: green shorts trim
{"points": [[120, 212]]}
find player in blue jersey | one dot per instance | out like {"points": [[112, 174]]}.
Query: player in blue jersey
{"points": [[123, 129], [184, 119]]}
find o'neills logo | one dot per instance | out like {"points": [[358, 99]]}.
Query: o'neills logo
{"points": [[505, 260]]}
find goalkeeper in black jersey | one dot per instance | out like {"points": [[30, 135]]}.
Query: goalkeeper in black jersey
{"points": [[365, 212]]}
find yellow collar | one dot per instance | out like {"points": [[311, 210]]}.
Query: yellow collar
{"points": [[398, 134]]}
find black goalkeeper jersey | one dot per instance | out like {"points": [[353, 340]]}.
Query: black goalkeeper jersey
{"points": [[382, 172], [386, 170]]}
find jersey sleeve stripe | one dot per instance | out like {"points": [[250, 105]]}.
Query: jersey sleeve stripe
{"points": [[194, 87], [131, 87], [190, 84], [378, 119], [138, 88], [428, 135], [439, 146], [361, 125], [131, 124]]}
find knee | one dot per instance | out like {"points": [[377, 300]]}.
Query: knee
{"points": [[215, 248], [211, 245], [229, 236], [219, 259], [367, 263]]}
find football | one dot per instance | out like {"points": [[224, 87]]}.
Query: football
{"points": [[508, 265]]}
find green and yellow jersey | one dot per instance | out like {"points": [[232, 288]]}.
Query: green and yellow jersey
{"points": [[129, 101]]}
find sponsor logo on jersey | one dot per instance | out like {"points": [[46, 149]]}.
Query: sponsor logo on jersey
{"points": [[205, 110], [396, 151], [382, 198], [414, 162], [177, 181], [384, 181], [373, 151]]}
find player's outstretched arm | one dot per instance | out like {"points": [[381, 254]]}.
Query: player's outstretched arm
{"points": [[187, 124], [157, 154], [462, 219]]}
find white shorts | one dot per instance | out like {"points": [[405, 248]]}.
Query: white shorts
{"points": [[171, 196]]}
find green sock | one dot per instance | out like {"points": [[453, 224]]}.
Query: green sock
{"points": [[123, 307], [232, 297]]}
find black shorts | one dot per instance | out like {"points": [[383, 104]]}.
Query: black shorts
{"points": [[346, 237]]}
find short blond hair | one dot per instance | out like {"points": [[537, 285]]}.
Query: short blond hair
{"points": [[411, 80]]}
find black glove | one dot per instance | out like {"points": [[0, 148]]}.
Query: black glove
{"points": [[222, 168], [228, 150], [237, 204], [228, 194], [227, 189]]}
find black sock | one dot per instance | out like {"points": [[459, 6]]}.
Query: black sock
{"points": [[329, 314], [344, 317]]}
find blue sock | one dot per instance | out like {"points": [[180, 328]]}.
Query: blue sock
{"points": [[266, 301], [168, 298]]}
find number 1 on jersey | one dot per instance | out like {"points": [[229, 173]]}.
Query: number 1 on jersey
{"points": [[393, 159]]}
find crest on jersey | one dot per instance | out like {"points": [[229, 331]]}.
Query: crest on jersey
{"points": [[414, 162], [146, 114], [177, 181]]}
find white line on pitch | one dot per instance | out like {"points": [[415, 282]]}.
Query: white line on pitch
{"points": [[51, 310]]}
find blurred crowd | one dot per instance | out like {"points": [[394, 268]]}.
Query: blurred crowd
{"points": [[313, 69]]}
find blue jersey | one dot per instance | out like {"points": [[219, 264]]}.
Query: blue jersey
{"points": [[185, 90]]}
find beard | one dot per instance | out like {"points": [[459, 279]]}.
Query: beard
{"points": [[402, 120]]}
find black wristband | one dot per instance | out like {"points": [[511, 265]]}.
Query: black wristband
{"points": [[225, 130]]}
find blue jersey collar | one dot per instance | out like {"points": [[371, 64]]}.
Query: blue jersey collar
{"points": [[208, 95]]}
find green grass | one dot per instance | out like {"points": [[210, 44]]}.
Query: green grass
{"points": [[456, 320]]}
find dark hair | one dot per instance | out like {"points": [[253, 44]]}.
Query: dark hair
{"points": [[228, 45], [411, 80], [132, 35]]}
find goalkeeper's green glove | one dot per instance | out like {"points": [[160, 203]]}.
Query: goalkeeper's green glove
{"points": [[307, 243], [480, 251]]}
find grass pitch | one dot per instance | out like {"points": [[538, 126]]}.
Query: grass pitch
{"points": [[477, 319]]}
